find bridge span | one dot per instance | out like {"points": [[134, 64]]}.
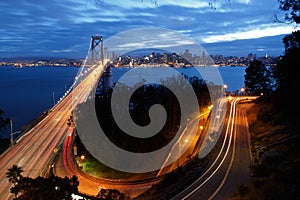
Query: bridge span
{"points": [[35, 150]]}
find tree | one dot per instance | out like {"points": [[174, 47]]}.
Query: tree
{"points": [[14, 174], [52, 188], [291, 8], [112, 194], [3, 122], [4, 142], [286, 73], [258, 78]]}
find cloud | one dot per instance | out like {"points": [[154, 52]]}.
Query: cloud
{"points": [[251, 33], [132, 44], [58, 26], [261, 46], [146, 4], [242, 1], [62, 51]]}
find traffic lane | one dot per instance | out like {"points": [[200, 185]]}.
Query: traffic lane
{"points": [[211, 179], [26, 153], [199, 188], [33, 154], [13, 155], [240, 170]]}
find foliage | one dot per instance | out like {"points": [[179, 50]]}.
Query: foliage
{"points": [[140, 102], [52, 188], [3, 122], [287, 76], [291, 7], [258, 78], [286, 72], [4, 144], [275, 156], [274, 140], [14, 174], [112, 194], [90, 165]]}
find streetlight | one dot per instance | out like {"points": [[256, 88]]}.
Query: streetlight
{"points": [[53, 97], [225, 87], [11, 132], [242, 90]]}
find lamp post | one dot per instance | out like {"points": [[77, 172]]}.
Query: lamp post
{"points": [[11, 132], [53, 99], [242, 91], [225, 87]]}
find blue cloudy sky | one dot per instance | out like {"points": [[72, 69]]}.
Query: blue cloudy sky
{"points": [[63, 28]]}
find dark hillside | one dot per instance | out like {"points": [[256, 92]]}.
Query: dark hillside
{"points": [[275, 150]]}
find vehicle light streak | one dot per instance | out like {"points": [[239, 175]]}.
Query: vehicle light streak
{"points": [[229, 126]]}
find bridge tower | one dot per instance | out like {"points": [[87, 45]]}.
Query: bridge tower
{"points": [[96, 44]]}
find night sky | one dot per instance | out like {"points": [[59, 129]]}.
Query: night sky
{"points": [[63, 28]]}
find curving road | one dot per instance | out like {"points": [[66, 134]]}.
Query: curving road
{"points": [[231, 165], [34, 151], [65, 166]]}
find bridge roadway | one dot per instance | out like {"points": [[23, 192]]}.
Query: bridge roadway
{"points": [[35, 149]]}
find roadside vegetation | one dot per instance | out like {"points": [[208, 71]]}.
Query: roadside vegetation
{"points": [[4, 142], [274, 126], [93, 167], [140, 102], [275, 155], [52, 188]]}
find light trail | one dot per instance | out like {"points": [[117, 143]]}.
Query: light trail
{"points": [[33, 151]]}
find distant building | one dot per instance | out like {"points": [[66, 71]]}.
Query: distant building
{"points": [[187, 55]]}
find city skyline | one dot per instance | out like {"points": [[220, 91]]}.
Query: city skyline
{"points": [[155, 58], [63, 29]]}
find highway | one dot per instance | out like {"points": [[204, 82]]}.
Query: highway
{"points": [[34, 151], [65, 164], [231, 162]]}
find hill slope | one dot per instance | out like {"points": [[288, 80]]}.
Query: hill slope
{"points": [[276, 158]]}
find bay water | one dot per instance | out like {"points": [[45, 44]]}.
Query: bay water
{"points": [[28, 91]]}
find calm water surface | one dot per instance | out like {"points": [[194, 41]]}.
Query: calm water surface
{"points": [[26, 92]]}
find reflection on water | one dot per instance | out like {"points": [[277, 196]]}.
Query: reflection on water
{"points": [[26, 92]]}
